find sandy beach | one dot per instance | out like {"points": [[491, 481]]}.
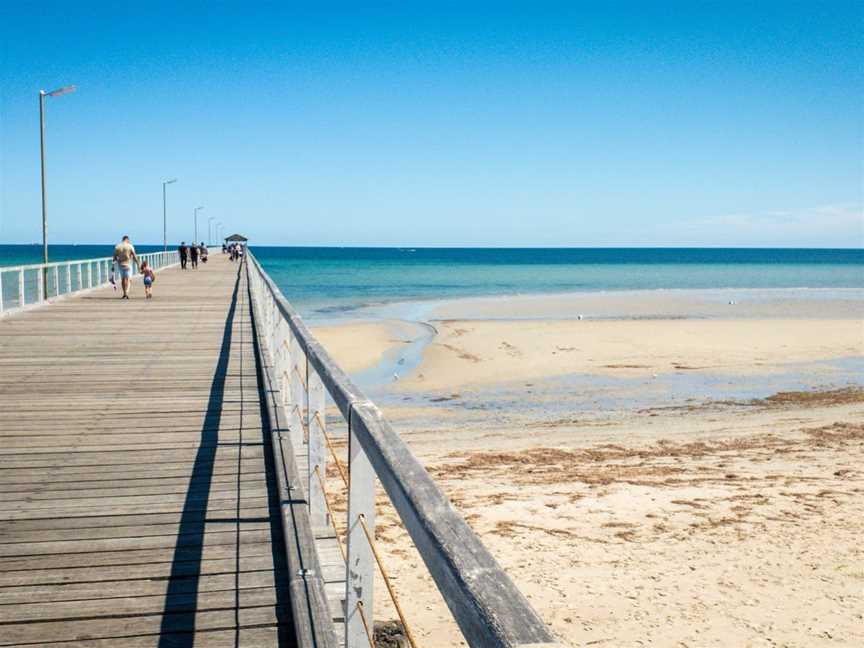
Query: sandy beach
{"points": [[669, 470]]}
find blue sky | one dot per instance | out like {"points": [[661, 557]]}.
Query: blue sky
{"points": [[443, 123]]}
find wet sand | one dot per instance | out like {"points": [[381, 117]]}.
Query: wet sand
{"points": [[632, 511]]}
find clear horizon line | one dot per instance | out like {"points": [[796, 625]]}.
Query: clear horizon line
{"points": [[489, 246]]}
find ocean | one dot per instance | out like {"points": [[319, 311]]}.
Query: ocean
{"points": [[326, 281], [333, 281]]}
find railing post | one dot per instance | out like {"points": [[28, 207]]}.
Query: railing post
{"points": [[89, 274], [40, 296], [68, 278], [296, 393], [360, 570], [280, 352], [98, 273], [1, 291], [22, 300], [56, 281], [283, 353], [316, 398]]}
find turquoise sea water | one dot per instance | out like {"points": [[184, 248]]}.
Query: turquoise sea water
{"points": [[329, 281], [326, 281], [11, 255]]}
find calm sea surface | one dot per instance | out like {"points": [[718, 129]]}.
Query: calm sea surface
{"points": [[330, 280]]}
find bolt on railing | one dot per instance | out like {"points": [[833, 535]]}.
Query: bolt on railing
{"points": [[488, 608], [26, 286]]}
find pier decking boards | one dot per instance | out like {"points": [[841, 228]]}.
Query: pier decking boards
{"points": [[138, 504]]}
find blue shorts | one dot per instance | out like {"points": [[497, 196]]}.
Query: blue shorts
{"points": [[148, 281], [125, 272]]}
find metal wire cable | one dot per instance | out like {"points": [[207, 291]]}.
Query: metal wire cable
{"points": [[329, 441], [359, 608], [387, 582], [331, 514]]}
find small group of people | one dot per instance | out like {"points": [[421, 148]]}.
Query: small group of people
{"points": [[192, 253], [233, 250], [124, 257]]}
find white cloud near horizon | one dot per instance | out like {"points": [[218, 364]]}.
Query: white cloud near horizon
{"points": [[834, 225]]}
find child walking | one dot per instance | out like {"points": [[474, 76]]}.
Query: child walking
{"points": [[149, 278]]}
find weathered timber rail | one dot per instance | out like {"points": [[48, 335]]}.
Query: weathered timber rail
{"points": [[159, 465], [300, 375]]}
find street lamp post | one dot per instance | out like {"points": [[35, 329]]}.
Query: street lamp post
{"points": [[165, 183], [196, 210], [42, 95], [209, 235]]}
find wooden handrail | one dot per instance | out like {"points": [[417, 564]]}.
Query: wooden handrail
{"points": [[310, 613], [490, 611]]}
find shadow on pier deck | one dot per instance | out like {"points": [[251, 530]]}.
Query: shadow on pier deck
{"points": [[139, 505], [162, 471]]}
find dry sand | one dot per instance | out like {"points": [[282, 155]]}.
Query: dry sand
{"points": [[701, 524], [361, 348]]}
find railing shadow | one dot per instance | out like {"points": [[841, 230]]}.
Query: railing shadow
{"points": [[287, 634], [177, 628]]}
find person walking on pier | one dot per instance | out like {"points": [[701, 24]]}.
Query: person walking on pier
{"points": [[193, 255], [124, 255], [184, 254], [149, 278]]}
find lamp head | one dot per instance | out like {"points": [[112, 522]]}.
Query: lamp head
{"points": [[60, 91]]}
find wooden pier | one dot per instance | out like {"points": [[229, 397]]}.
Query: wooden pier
{"points": [[137, 505], [151, 494]]}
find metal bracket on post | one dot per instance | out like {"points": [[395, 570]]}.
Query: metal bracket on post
{"points": [[316, 397], [360, 574]]}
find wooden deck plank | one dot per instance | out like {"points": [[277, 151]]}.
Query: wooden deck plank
{"points": [[157, 572], [135, 498], [90, 591], [253, 636], [22, 634]]}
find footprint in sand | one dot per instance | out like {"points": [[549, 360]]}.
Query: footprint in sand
{"points": [[511, 350]]}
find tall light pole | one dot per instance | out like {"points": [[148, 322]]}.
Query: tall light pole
{"points": [[165, 183], [209, 235], [42, 95], [196, 210]]}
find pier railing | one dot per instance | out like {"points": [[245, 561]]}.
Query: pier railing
{"points": [[299, 378], [25, 285]]}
